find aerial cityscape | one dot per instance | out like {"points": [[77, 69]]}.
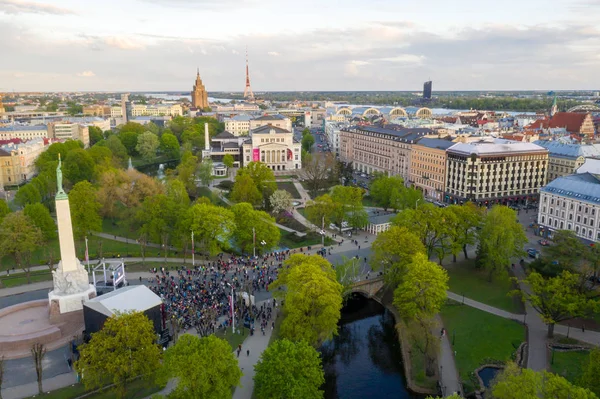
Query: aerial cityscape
{"points": [[245, 199]]}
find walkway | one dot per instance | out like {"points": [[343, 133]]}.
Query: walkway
{"points": [[449, 377], [31, 389]]}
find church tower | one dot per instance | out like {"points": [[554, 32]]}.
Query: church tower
{"points": [[199, 95]]}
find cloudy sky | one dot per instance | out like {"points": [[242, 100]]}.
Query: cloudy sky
{"points": [[137, 45]]}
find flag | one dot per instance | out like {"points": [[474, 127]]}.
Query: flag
{"points": [[192, 242]]}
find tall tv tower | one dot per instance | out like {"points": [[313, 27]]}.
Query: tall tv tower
{"points": [[248, 95]]}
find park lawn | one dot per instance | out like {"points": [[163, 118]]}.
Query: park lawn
{"points": [[290, 188], [21, 278], [290, 240], [117, 228], [473, 284], [479, 338], [234, 339], [137, 389], [213, 197], [569, 364], [369, 202]]}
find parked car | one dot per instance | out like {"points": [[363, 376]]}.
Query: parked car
{"points": [[533, 253], [544, 243]]}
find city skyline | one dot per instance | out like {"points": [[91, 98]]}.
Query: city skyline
{"points": [[156, 45]]}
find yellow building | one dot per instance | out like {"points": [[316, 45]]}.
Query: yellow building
{"points": [[199, 94], [428, 167], [17, 161]]}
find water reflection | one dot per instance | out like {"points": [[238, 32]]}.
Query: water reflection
{"points": [[364, 360]]}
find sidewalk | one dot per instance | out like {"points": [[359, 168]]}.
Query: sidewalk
{"points": [[31, 389], [449, 378]]}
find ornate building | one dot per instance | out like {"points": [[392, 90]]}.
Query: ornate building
{"points": [[274, 146], [199, 94]]}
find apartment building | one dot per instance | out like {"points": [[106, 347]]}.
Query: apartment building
{"points": [[565, 159], [17, 161], [572, 203], [24, 133], [149, 110], [375, 149], [97, 110], [69, 131], [428, 167], [276, 120], [238, 125], [332, 134], [495, 171]]}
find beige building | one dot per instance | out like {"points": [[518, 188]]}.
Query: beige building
{"points": [[565, 159], [237, 107], [373, 149], [97, 110], [149, 110], [24, 133], [238, 125], [199, 94], [273, 146], [495, 171], [69, 131], [274, 120], [428, 167], [17, 161]]}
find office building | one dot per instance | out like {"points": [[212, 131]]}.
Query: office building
{"points": [[427, 90], [572, 203], [495, 171], [24, 133], [238, 125], [374, 149], [274, 146], [69, 131], [97, 110], [199, 94], [428, 167], [565, 159], [276, 120]]}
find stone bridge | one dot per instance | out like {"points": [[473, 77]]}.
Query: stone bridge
{"points": [[370, 288]]}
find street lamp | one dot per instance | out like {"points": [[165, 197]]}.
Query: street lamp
{"points": [[417, 203], [231, 305]]}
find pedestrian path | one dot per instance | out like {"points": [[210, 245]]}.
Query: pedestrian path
{"points": [[449, 378], [31, 389]]}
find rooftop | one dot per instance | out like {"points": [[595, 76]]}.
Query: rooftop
{"points": [[21, 128], [137, 298], [270, 117], [224, 135], [240, 118], [266, 129], [495, 146], [439, 144], [399, 133], [569, 150], [583, 187]]}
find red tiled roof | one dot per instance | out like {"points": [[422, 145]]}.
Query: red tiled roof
{"points": [[13, 141], [571, 121]]}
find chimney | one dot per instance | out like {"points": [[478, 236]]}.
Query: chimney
{"points": [[206, 138]]}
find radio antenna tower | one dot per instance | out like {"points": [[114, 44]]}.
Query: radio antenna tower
{"points": [[248, 95]]}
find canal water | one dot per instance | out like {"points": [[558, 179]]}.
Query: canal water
{"points": [[364, 360]]}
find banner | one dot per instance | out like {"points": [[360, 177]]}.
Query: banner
{"points": [[290, 155], [256, 154]]}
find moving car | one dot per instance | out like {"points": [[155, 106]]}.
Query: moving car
{"points": [[533, 253]]}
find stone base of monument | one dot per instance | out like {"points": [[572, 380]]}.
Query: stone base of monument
{"points": [[62, 304], [26, 323]]}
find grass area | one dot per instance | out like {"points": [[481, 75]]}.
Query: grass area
{"points": [[234, 339], [21, 278], [417, 367], [214, 198], [291, 240], [478, 338], [290, 188], [368, 201], [117, 227], [302, 211], [291, 223], [569, 364], [473, 284], [137, 389]]}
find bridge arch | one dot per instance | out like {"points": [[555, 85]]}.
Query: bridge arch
{"points": [[371, 111], [398, 112], [344, 111], [424, 113]]}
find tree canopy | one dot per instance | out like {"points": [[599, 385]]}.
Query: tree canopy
{"points": [[147, 145], [85, 209], [254, 227], [289, 369], [212, 226], [40, 216]]}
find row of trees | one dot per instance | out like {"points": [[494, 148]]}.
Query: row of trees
{"points": [[343, 205]]}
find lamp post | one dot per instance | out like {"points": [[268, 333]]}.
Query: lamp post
{"points": [[417, 203], [323, 230], [193, 259], [231, 304], [253, 242]]}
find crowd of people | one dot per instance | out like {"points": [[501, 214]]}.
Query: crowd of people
{"points": [[200, 296]]}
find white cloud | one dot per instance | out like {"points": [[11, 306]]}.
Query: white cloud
{"points": [[407, 59], [233, 51], [352, 68], [273, 53], [19, 75], [124, 43], [86, 74], [30, 7]]}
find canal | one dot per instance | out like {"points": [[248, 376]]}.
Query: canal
{"points": [[364, 360]]}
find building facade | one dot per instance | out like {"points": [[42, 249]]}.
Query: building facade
{"points": [[17, 161], [238, 125], [332, 134], [97, 110], [199, 94], [23, 132], [274, 147], [495, 171], [373, 149], [69, 131], [565, 159], [578, 123], [428, 167], [572, 203], [238, 107], [276, 120]]}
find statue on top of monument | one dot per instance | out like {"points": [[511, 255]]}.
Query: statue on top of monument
{"points": [[60, 191]]}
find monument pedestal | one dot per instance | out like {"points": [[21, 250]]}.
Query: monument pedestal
{"points": [[61, 304]]}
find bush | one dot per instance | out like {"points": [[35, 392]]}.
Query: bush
{"points": [[226, 185]]}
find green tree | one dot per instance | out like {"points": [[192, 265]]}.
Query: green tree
{"points": [[557, 299], [253, 228], [170, 145], [123, 349], [157, 217], [501, 239], [591, 370], [212, 226], [349, 206], [305, 131], [186, 171], [204, 368], [313, 299], [19, 237], [567, 249], [393, 250], [129, 140], [228, 161], [281, 200], [152, 128], [95, 135], [40, 216], [262, 176], [347, 274], [4, 209], [85, 209], [205, 172], [28, 194], [289, 369], [244, 190], [177, 193], [307, 142], [468, 218], [117, 148], [102, 157], [79, 166], [517, 383], [132, 127], [384, 190], [318, 170], [147, 144], [321, 211], [74, 109]]}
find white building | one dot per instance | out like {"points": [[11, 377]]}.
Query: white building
{"points": [[274, 120], [572, 203], [69, 131], [273, 146], [238, 107], [238, 125], [23, 132], [332, 134], [149, 110]]}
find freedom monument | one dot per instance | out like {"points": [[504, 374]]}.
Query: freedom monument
{"points": [[55, 321]]}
